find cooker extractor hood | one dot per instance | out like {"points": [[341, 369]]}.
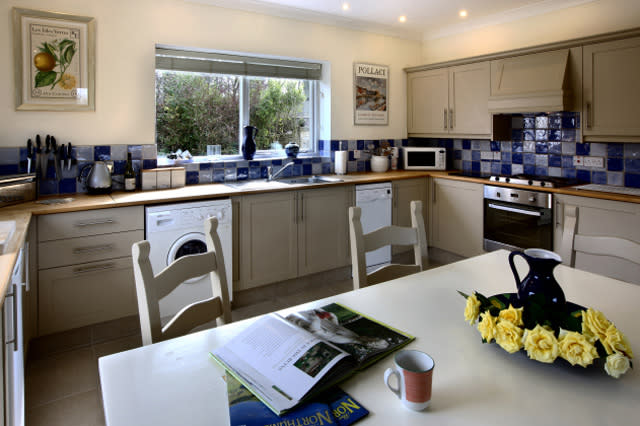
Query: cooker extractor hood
{"points": [[531, 83]]}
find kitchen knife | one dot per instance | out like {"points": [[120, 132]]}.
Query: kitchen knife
{"points": [[62, 156], [69, 156], [30, 153], [56, 157], [45, 157]]}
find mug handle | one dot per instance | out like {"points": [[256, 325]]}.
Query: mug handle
{"points": [[387, 374], [513, 267]]}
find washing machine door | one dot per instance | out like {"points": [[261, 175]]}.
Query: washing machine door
{"points": [[191, 243]]}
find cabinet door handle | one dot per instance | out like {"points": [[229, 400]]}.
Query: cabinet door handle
{"points": [[588, 116], [93, 249], [14, 339], [93, 223], [451, 119], [445, 118], [295, 209], [88, 269], [433, 191], [301, 208]]}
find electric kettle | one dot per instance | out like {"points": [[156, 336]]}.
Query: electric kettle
{"points": [[98, 180]]}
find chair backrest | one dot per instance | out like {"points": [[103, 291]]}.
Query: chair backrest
{"points": [[388, 235], [151, 288], [572, 242]]}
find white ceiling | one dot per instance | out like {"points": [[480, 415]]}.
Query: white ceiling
{"points": [[426, 19]]}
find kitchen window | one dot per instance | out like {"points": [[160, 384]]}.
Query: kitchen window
{"points": [[206, 98]]}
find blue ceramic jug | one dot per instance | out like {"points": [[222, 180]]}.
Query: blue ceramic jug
{"points": [[540, 279], [249, 144]]}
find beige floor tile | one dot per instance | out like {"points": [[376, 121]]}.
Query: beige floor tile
{"points": [[118, 345], [60, 376], [253, 310], [115, 329], [45, 346], [83, 409]]}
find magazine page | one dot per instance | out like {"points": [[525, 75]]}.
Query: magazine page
{"points": [[331, 407], [364, 338], [278, 361]]}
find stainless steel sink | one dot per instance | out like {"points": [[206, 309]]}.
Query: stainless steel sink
{"points": [[265, 184]]}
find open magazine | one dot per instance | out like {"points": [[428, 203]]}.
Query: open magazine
{"points": [[285, 360]]}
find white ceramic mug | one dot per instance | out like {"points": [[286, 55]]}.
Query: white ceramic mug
{"points": [[414, 372]]}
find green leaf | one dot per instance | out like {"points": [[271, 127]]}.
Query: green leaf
{"points": [[45, 78], [68, 54], [462, 294], [602, 352], [497, 303], [66, 42]]}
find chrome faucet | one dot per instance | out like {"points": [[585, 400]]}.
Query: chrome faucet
{"points": [[272, 176]]}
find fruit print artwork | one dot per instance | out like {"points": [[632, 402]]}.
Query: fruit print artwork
{"points": [[55, 67]]}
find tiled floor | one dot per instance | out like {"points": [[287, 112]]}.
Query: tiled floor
{"points": [[62, 384]]}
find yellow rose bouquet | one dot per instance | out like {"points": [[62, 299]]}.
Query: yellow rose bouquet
{"points": [[576, 334]]}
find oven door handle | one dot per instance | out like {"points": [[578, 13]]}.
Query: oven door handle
{"points": [[514, 210]]}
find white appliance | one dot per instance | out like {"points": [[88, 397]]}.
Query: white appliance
{"points": [[176, 230], [424, 158], [375, 201]]}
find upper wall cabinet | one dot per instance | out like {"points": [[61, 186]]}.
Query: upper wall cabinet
{"points": [[449, 101], [611, 88]]}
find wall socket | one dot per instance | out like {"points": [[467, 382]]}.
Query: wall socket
{"points": [[356, 153], [586, 161]]}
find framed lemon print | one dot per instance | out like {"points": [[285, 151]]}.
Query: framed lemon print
{"points": [[54, 57]]}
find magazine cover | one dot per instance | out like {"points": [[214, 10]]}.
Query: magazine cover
{"points": [[331, 407]]}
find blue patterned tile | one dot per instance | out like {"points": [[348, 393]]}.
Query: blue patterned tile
{"points": [[569, 120], [632, 150], [9, 156], [615, 164], [632, 165], [485, 168], [555, 135], [334, 145], [529, 135], [583, 148], [205, 176], [149, 152], [136, 151], [505, 169], [555, 147], [306, 169], [568, 148], [598, 149], [457, 154], [632, 180], [542, 148], [119, 167], [466, 155], [541, 171], [505, 146], [615, 179], [326, 168], [476, 155], [555, 160], [528, 146], [496, 168], [475, 166], [495, 146], [466, 144], [296, 170], [569, 173], [255, 173], [102, 153], [615, 149], [320, 145], [48, 187], [517, 121], [529, 169], [516, 135], [555, 171], [599, 177], [360, 144], [542, 122], [192, 178], [517, 169], [361, 166], [516, 157], [555, 121], [317, 160], [466, 166], [82, 153], [542, 160], [529, 122], [516, 146], [351, 156], [8, 169], [529, 158], [218, 175], [583, 175], [505, 157], [149, 164], [541, 135], [242, 173], [569, 135]]}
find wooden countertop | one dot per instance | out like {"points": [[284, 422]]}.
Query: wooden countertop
{"points": [[22, 213]]}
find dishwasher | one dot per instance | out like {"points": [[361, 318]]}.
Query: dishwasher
{"points": [[375, 200]]}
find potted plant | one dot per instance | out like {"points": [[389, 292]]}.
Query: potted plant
{"points": [[380, 156]]}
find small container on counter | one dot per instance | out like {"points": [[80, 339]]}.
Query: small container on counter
{"points": [[178, 177], [163, 178], [149, 179]]}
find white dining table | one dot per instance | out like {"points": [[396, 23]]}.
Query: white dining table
{"points": [[177, 383]]}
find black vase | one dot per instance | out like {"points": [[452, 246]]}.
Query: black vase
{"points": [[249, 144], [540, 280]]}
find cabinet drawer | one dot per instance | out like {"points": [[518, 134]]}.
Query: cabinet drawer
{"points": [[75, 296], [92, 222], [73, 251]]}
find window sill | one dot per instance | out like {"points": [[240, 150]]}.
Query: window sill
{"points": [[163, 161]]}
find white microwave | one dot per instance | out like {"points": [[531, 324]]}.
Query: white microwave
{"points": [[420, 158]]}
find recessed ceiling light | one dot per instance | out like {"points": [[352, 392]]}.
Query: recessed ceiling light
{"points": [[402, 18], [346, 6], [463, 13]]}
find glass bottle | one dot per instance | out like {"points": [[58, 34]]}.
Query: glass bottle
{"points": [[129, 175]]}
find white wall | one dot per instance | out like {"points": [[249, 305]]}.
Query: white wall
{"points": [[597, 17], [126, 34]]}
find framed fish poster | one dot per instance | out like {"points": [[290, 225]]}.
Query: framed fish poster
{"points": [[54, 56], [371, 94]]}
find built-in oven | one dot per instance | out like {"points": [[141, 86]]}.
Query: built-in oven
{"points": [[517, 219]]}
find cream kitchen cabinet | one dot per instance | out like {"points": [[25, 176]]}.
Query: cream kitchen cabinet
{"points": [[294, 233], [611, 89], [85, 272], [405, 191], [449, 101], [456, 216], [599, 218]]}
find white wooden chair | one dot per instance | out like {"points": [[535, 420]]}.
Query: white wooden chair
{"points": [[572, 242], [150, 289], [388, 235]]}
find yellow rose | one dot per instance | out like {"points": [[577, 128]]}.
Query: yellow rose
{"points": [[512, 315], [616, 365], [67, 81], [576, 349], [617, 342], [472, 310], [541, 344], [594, 325], [487, 326], [509, 336]]}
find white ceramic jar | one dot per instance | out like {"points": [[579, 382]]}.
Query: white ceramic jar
{"points": [[379, 163]]}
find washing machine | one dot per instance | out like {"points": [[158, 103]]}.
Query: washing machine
{"points": [[176, 230]]}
